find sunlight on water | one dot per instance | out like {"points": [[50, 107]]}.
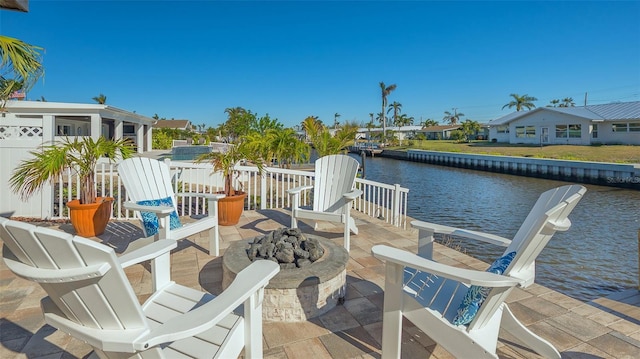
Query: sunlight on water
{"points": [[596, 257]]}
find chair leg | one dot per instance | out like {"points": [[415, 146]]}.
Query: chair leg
{"points": [[160, 271], [392, 312], [214, 241], [253, 325], [214, 233], [295, 203], [512, 325], [347, 236]]}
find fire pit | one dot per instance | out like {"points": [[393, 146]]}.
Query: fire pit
{"points": [[308, 284]]}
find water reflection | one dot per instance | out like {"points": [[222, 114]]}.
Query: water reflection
{"points": [[597, 256]]}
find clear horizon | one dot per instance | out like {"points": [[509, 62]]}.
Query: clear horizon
{"points": [[193, 59]]}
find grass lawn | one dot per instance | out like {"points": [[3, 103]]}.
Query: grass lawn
{"points": [[604, 153]]}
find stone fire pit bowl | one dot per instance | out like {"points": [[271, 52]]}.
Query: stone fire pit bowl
{"points": [[296, 294]]}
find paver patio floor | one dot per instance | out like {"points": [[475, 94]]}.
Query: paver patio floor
{"points": [[605, 328]]}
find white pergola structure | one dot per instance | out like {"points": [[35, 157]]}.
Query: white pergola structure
{"points": [[55, 120]]}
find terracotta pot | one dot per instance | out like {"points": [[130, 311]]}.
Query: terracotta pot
{"points": [[90, 220], [230, 209]]}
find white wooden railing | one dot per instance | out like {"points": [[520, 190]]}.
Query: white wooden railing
{"points": [[266, 191]]}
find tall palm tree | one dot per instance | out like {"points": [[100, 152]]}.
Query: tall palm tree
{"points": [[567, 102], [335, 120], [396, 107], [452, 117], [553, 103], [386, 90], [521, 102], [101, 99]]}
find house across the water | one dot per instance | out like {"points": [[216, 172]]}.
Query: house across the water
{"points": [[614, 123]]}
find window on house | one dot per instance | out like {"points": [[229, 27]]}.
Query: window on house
{"points": [[525, 131], [128, 129], [502, 129], [575, 131], [569, 131], [634, 127], [594, 131], [619, 127], [64, 130]]}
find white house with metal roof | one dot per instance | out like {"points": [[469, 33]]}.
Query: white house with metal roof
{"points": [[614, 123], [25, 125]]}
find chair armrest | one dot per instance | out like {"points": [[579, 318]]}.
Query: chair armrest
{"points": [[467, 276], [299, 189], [213, 196], [249, 281], [166, 210], [150, 251], [480, 236], [350, 196]]}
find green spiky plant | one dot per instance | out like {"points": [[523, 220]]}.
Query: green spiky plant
{"points": [[225, 161], [78, 154]]}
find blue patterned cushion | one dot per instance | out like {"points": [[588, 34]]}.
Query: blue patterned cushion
{"points": [[150, 220], [476, 294]]}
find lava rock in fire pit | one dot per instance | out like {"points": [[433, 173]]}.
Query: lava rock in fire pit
{"points": [[286, 246]]}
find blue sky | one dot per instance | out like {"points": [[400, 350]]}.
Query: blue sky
{"points": [[193, 59]]}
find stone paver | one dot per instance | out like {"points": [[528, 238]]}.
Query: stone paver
{"points": [[607, 327]]}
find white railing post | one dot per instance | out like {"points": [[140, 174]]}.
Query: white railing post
{"points": [[396, 205], [263, 190]]}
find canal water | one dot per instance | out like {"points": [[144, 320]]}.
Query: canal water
{"points": [[596, 257]]}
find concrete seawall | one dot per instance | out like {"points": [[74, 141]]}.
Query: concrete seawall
{"points": [[605, 174]]}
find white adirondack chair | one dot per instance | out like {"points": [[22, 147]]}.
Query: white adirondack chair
{"points": [[429, 293], [149, 179], [333, 192], [90, 298]]}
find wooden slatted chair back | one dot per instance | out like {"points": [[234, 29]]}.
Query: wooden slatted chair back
{"points": [[548, 215], [146, 179], [334, 176], [82, 278]]}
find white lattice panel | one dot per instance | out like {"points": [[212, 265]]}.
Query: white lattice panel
{"points": [[20, 132]]}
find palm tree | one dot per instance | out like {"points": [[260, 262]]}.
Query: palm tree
{"points": [[335, 120], [403, 120], [21, 62], [312, 127], [428, 123], [397, 108], [567, 102], [386, 90], [101, 99], [470, 127], [370, 125], [452, 117], [553, 103], [520, 102]]}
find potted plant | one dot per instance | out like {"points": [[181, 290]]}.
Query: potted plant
{"points": [[230, 207], [89, 214]]}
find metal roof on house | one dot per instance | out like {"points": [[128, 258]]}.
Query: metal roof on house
{"points": [[440, 128], [617, 111], [179, 124], [606, 112]]}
